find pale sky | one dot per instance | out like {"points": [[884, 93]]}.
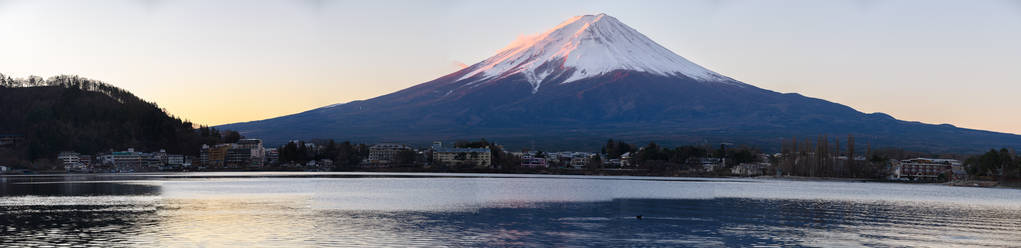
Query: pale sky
{"points": [[218, 62]]}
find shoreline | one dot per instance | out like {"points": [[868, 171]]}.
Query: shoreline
{"points": [[558, 172]]}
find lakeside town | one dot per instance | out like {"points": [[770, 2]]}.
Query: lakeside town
{"points": [[353, 123], [615, 158]]}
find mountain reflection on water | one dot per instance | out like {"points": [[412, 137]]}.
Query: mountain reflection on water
{"points": [[458, 210]]}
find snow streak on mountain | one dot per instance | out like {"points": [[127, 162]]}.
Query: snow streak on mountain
{"points": [[583, 47]]}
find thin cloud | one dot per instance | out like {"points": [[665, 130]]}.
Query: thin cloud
{"points": [[458, 64]]}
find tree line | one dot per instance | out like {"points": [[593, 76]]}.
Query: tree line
{"points": [[349, 156], [345, 155], [1002, 164], [824, 157], [71, 113]]}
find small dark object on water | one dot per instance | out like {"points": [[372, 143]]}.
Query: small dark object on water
{"points": [[638, 217]]}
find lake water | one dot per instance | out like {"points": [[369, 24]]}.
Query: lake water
{"points": [[399, 209]]}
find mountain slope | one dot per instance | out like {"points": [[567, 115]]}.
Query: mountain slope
{"points": [[592, 78]]}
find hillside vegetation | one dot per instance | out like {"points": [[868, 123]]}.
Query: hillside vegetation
{"points": [[71, 113]]}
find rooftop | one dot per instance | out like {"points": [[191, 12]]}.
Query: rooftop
{"points": [[457, 149]]}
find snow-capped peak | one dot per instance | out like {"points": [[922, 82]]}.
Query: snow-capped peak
{"points": [[592, 45]]}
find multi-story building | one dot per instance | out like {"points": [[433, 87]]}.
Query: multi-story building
{"points": [[479, 157], [245, 153], [126, 160], [154, 161], [71, 161], [215, 156], [175, 160], [923, 168], [255, 150], [204, 155], [385, 153], [237, 157], [68, 157]]}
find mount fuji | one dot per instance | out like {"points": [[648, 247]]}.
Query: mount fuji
{"points": [[591, 78]]}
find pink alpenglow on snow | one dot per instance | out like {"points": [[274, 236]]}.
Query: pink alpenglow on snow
{"points": [[583, 47]]}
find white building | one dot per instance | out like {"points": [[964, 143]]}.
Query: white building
{"points": [[749, 169], [68, 159], [72, 161]]}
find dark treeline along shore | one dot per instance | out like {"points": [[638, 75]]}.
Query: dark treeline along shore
{"points": [[45, 117], [806, 158]]}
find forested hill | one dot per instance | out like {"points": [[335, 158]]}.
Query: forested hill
{"points": [[70, 113]]}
